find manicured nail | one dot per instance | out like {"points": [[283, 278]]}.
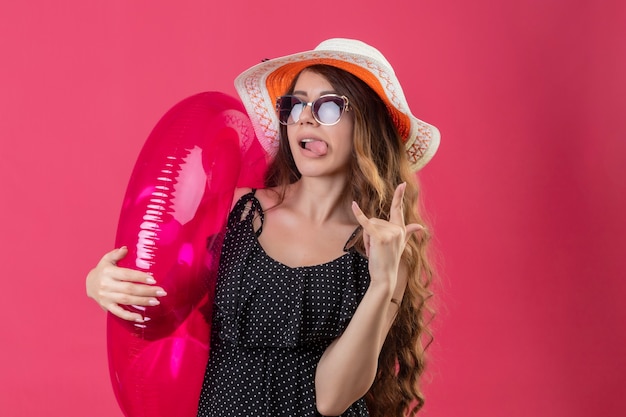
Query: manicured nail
{"points": [[161, 293], [154, 302], [150, 280]]}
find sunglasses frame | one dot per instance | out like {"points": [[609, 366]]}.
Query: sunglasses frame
{"points": [[345, 108]]}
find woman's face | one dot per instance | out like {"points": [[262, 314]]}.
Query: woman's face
{"points": [[319, 150]]}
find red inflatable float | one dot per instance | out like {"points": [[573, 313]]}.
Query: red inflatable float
{"points": [[172, 221]]}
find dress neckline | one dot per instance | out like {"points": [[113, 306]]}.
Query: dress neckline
{"points": [[293, 268], [256, 204]]}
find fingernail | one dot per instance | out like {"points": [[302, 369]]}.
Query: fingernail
{"points": [[139, 320], [150, 280], [161, 293], [154, 302]]}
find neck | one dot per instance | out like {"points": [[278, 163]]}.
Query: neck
{"points": [[320, 199]]}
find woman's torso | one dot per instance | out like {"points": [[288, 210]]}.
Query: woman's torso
{"points": [[272, 322]]}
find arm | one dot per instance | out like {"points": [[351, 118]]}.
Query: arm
{"points": [[348, 366]]}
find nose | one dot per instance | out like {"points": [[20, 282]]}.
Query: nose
{"points": [[307, 114]]}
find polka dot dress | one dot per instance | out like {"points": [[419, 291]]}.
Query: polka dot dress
{"points": [[271, 324]]}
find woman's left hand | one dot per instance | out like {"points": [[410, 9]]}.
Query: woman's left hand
{"points": [[385, 240]]}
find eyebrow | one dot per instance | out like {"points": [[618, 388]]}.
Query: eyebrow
{"points": [[304, 93]]}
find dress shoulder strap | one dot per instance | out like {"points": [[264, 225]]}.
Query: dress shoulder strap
{"points": [[350, 242], [246, 209]]}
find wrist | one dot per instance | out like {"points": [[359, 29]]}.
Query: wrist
{"points": [[381, 289]]}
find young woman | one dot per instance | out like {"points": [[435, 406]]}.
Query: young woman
{"points": [[320, 305]]}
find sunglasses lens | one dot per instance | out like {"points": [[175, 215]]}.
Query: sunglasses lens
{"points": [[289, 109], [328, 110]]}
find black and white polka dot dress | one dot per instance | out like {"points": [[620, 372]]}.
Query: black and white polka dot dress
{"points": [[271, 324]]}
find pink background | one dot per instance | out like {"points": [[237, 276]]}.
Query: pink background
{"points": [[526, 195]]}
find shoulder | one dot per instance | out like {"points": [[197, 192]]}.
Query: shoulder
{"points": [[239, 192], [267, 197]]}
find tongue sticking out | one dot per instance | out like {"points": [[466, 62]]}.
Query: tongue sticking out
{"points": [[318, 147]]}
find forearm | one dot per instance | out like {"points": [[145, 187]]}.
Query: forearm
{"points": [[348, 366]]}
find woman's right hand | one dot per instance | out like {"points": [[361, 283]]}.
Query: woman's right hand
{"points": [[112, 286]]}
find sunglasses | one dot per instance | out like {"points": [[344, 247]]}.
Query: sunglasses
{"points": [[327, 109]]}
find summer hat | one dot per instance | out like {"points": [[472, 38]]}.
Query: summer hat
{"points": [[260, 86]]}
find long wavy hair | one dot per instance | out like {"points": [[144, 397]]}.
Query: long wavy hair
{"points": [[378, 165]]}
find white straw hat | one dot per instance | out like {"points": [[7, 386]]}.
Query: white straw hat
{"points": [[260, 85]]}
